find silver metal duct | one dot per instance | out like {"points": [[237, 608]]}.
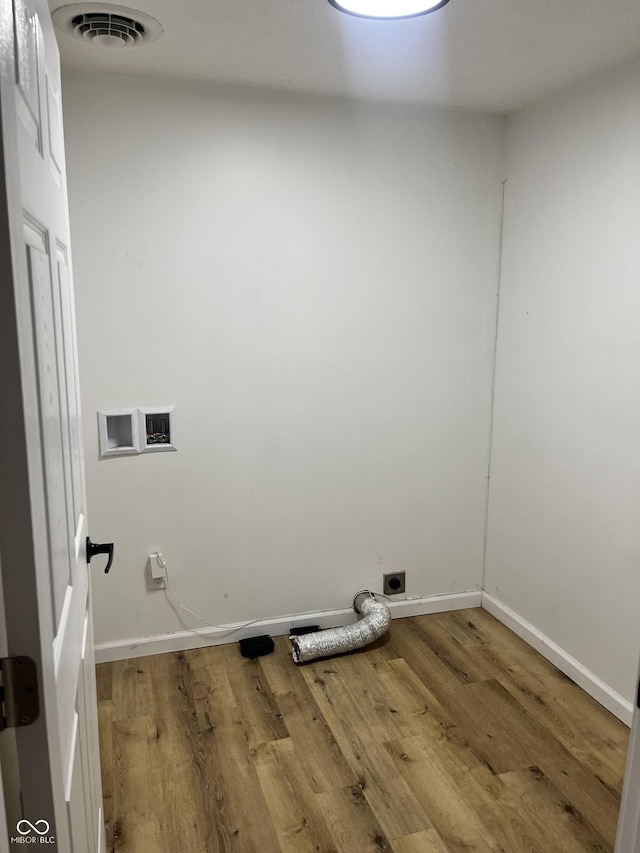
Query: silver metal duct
{"points": [[336, 641]]}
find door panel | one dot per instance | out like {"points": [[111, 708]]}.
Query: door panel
{"points": [[54, 116], [75, 798], [63, 394], [43, 526], [39, 273], [27, 37], [72, 414], [68, 661]]}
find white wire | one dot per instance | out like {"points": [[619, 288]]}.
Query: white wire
{"points": [[384, 595], [228, 629]]}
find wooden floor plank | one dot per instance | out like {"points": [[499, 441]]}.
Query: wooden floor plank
{"points": [[449, 734], [260, 712], [236, 802], [281, 675], [131, 690], [420, 842], [137, 825], [108, 764], [500, 732], [351, 822], [575, 728], [410, 695], [104, 681], [318, 750], [501, 812], [551, 815], [570, 702], [211, 685], [368, 698], [437, 672], [185, 798], [296, 812], [391, 799], [453, 817], [464, 626], [564, 724], [574, 719]]}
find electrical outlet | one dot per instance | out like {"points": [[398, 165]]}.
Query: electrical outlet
{"points": [[393, 583], [157, 576]]}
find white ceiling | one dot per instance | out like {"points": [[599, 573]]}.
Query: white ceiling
{"points": [[493, 55]]}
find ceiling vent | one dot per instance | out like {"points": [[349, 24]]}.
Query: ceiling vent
{"points": [[107, 25]]}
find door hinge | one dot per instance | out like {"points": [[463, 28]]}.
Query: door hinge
{"points": [[19, 701]]}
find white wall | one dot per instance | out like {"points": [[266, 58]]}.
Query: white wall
{"points": [[563, 545], [312, 284]]}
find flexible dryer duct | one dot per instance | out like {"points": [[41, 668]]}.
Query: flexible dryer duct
{"points": [[336, 641]]}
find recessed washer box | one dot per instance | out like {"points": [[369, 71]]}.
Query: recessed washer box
{"points": [[128, 432], [157, 429], [118, 432]]}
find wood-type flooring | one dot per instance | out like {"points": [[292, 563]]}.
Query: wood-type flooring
{"points": [[449, 735]]}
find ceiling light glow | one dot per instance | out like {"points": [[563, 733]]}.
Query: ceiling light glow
{"points": [[387, 9]]}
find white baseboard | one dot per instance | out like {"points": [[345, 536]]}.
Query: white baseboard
{"points": [[589, 682], [200, 638]]}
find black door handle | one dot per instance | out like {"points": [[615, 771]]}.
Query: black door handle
{"points": [[94, 548]]}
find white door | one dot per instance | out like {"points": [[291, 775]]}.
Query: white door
{"points": [[628, 836], [43, 527]]}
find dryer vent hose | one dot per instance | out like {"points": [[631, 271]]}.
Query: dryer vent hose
{"points": [[376, 618]]}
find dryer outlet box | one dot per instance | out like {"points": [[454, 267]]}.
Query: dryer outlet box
{"points": [[393, 583]]}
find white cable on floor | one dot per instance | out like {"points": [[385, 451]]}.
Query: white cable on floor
{"points": [[227, 629]]}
